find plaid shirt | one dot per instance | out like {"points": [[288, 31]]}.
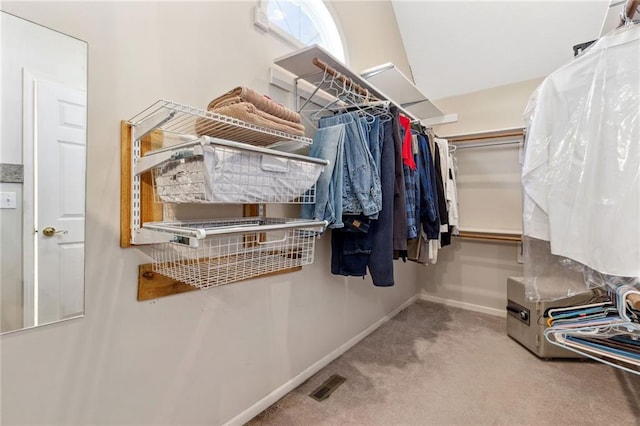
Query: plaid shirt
{"points": [[410, 184]]}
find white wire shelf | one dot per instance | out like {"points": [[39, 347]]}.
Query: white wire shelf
{"points": [[179, 120], [212, 253], [211, 158]]}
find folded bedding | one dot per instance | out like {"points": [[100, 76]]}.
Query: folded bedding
{"points": [[248, 113], [261, 102]]}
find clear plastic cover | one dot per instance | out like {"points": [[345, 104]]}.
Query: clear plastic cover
{"points": [[581, 172]]}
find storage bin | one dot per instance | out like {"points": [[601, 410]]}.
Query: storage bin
{"points": [[231, 172]]}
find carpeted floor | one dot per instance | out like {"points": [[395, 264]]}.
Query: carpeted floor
{"points": [[436, 365]]}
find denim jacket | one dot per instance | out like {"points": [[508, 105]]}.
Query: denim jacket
{"points": [[361, 192]]}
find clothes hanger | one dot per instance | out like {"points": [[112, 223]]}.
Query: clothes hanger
{"points": [[367, 106], [379, 109], [337, 88], [347, 96]]}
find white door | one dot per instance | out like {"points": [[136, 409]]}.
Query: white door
{"points": [[60, 197]]}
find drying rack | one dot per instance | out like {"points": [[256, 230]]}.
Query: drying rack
{"points": [[194, 255]]}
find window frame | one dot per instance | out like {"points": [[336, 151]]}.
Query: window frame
{"points": [[310, 7]]}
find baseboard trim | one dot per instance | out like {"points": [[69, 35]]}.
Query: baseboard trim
{"points": [[296, 381], [463, 305]]}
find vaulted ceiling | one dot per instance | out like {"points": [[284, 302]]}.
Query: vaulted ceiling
{"points": [[457, 47]]}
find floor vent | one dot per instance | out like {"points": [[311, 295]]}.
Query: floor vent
{"points": [[326, 389]]}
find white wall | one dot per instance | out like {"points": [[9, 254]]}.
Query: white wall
{"points": [[489, 188], [370, 26], [491, 109], [195, 358], [475, 272]]}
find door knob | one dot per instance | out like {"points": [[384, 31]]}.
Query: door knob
{"points": [[50, 231]]}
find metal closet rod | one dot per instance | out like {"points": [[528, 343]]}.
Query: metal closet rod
{"points": [[483, 145], [458, 141], [485, 135], [346, 80], [490, 236]]}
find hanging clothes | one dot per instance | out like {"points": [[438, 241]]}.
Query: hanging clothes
{"points": [[417, 245], [361, 192], [445, 237], [407, 143], [372, 130], [411, 194], [428, 202], [418, 249], [381, 259], [366, 243], [399, 202], [328, 145], [424, 248], [353, 187], [373, 221], [582, 156], [452, 193]]}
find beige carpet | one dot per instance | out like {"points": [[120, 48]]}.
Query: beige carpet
{"points": [[436, 365]]}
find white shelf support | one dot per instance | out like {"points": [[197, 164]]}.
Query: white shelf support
{"points": [[151, 123]]}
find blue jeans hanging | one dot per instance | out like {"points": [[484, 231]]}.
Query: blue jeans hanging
{"points": [[328, 145]]}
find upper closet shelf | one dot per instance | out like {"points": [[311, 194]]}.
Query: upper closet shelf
{"points": [[179, 120], [395, 86], [388, 78]]}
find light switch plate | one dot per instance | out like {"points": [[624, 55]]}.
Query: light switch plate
{"points": [[7, 200]]}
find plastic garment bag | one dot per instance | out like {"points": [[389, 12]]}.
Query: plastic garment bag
{"points": [[581, 166]]}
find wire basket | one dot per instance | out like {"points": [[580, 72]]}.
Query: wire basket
{"points": [[237, 249], [233, 173]]}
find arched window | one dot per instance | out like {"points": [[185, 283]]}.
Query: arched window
{"points": [[303, 23]]}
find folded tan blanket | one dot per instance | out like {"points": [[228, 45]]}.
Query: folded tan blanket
{"points": [[248, 113], [246, 94]]}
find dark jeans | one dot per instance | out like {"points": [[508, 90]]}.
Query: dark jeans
{"points": [[351, 246], [381, 258]]}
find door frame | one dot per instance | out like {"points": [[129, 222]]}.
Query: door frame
{"points": [[29, 273]]}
